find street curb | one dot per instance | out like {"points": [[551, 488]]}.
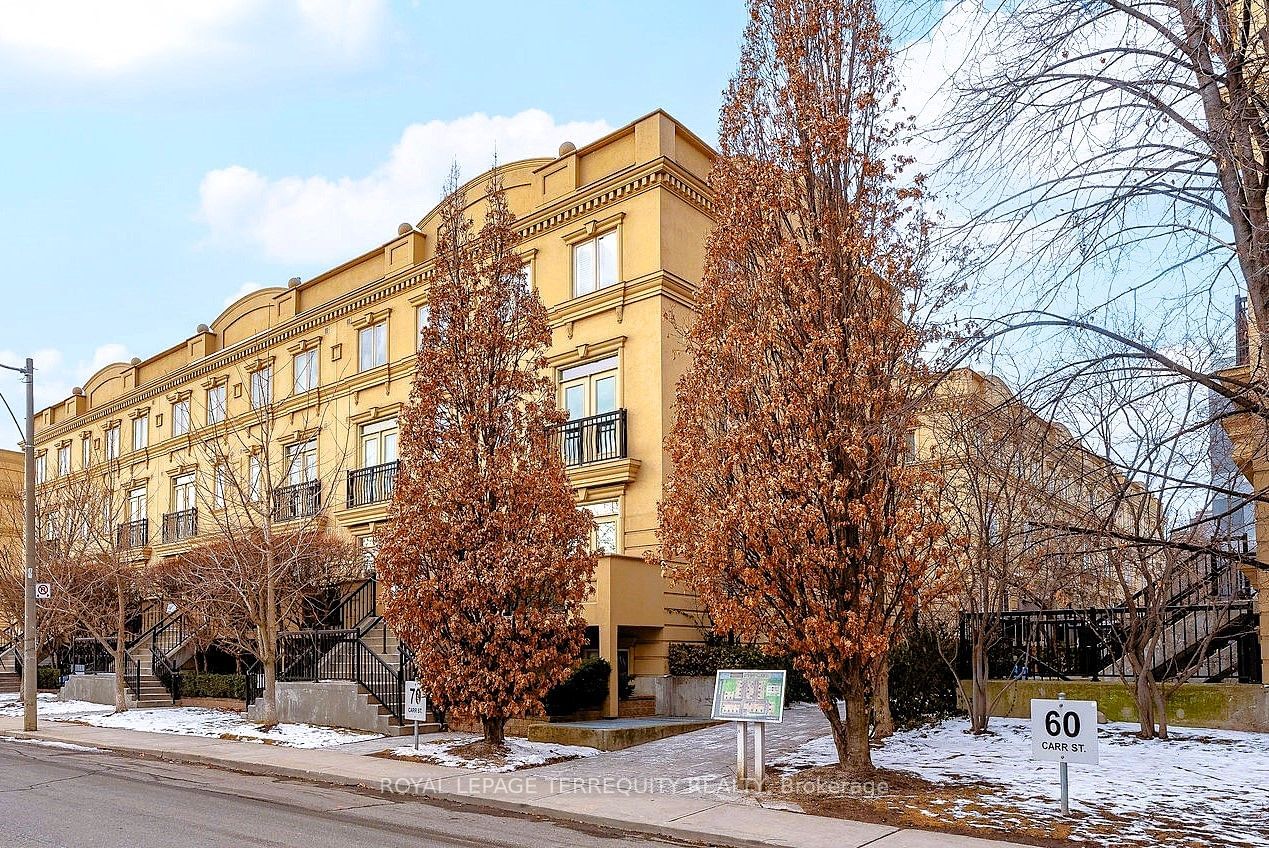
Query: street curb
{"points": [[698, 837]]}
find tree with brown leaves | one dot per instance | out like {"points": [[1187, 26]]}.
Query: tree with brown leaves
{"points": [[790, 510], [485, 559]]}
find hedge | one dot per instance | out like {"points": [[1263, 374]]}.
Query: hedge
{"points": [[922, 685], [585, 689], [48, 677], [196, 684], [703, 660]]}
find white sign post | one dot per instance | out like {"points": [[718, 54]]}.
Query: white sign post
{"points": [[43, 591], [415, 707], [1064, 732], [749, 696]]}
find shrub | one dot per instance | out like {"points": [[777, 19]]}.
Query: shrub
{"points": [[48, 677], [696, 660], [585, 688], [196, 684], [922, 684]]}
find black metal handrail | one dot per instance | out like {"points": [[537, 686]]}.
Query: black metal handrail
{"points": [[371, 485], [180, 525], [301, 500], [300, 652], [96, 658], [597, 438], [134, 534], [343, 655], [357, 611]]}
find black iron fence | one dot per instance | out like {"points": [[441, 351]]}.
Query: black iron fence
{"points": [[371, 485], [597, 438], [343, 655], [180, 525], [301, 500], [87, 655], [133, 534]]}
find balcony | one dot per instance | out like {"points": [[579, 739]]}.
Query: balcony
{"points": [[301, 500], [180, 525], [371, 485], [598, 438], [134, 534]]}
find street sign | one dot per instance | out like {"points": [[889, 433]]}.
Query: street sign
{"points": [[43, 591], [1064, 731], [749, 695], [415, 702]]}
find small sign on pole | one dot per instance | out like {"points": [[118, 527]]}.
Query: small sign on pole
{"points": [[43, 591], [1064, 732], [415, 707], [749, 696]]}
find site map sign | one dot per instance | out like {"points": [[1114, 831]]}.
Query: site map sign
{"points": [[749, 695]]}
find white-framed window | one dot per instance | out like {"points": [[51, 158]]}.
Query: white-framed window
{"points": [[604, 536], [255, 476], [305, 371], [50, 527], [372, 346], [183, 495], [301, 462], [141, 432], [262, 387], [63, 460], [219, 480], [379, 443], [112, 442], [137, 504], [216, 404], [595, 263], [86, 451], [369, 550], [422, 316], [180, 417]]}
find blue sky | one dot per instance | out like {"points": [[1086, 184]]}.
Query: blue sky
{"points": [[160, 158]]}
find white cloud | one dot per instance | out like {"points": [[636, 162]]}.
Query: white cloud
{"points": [[90, 37], [325, 219]]}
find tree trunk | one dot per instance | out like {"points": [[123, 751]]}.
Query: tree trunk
{"points": [[1145, 704], [495, 730], [269, 699], [882, 720], [978, 717], [1160, 708], [858, 751], [268, 640], [121, 674], [838, 728]]}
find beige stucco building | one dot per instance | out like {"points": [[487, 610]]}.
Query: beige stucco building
{"points": [[613, 240]]}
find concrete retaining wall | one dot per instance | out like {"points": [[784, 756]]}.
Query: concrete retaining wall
{"points": [[334, 703], [691, 697], [1230, 706], [94, 688]]}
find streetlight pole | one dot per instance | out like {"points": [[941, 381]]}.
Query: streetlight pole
{"points": [[29, 641]]}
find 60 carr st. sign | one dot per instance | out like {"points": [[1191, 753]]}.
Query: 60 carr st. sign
{"points": [[1064, 731]]}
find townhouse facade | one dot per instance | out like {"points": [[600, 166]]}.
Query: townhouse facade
{"points": [[613, 236]]}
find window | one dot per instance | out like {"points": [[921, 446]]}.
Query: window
{"points": [[218, 487], [255, 473], [590, 388], [183, 499], [369, 550], [261, 387], [141, 430], [373, 346], [136, 505], [64, 460], [422, 316], [216, 404], [50, 528], [305, 365], [180, 417], [595, 264], [112, 442], [86, 451], [301, 463], [379, 443], [604, 536]]}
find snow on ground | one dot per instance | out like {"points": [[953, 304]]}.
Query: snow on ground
{"points": [[1201, 787], [521, 753], [48, 706], [48, 743], [223, 724]]}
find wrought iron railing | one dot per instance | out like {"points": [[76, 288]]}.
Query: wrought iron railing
{"points": [[358, 608], [180, 525], [134, 534], [344, 655], [371, 485], [93, 657], [301, 500], [597, 438]]}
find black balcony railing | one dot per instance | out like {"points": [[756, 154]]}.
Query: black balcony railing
{"points": [[299, 501], [134, 534], [180, 525], [371, 485], [597, 438]]}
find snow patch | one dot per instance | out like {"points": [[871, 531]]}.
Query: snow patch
{"points": [[521, 754], [48, 743]]}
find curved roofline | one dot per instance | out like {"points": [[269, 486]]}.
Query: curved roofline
{"points": [[270, 291]]}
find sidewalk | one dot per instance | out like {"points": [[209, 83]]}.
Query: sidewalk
{"points": [[616, 802]]}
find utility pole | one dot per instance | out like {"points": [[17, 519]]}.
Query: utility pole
{"points": [[30, 678]]}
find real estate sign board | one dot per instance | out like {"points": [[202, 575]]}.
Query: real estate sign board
{"points": [[749, 695]]}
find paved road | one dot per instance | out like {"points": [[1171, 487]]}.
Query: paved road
{"points": [[58, 798]]}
